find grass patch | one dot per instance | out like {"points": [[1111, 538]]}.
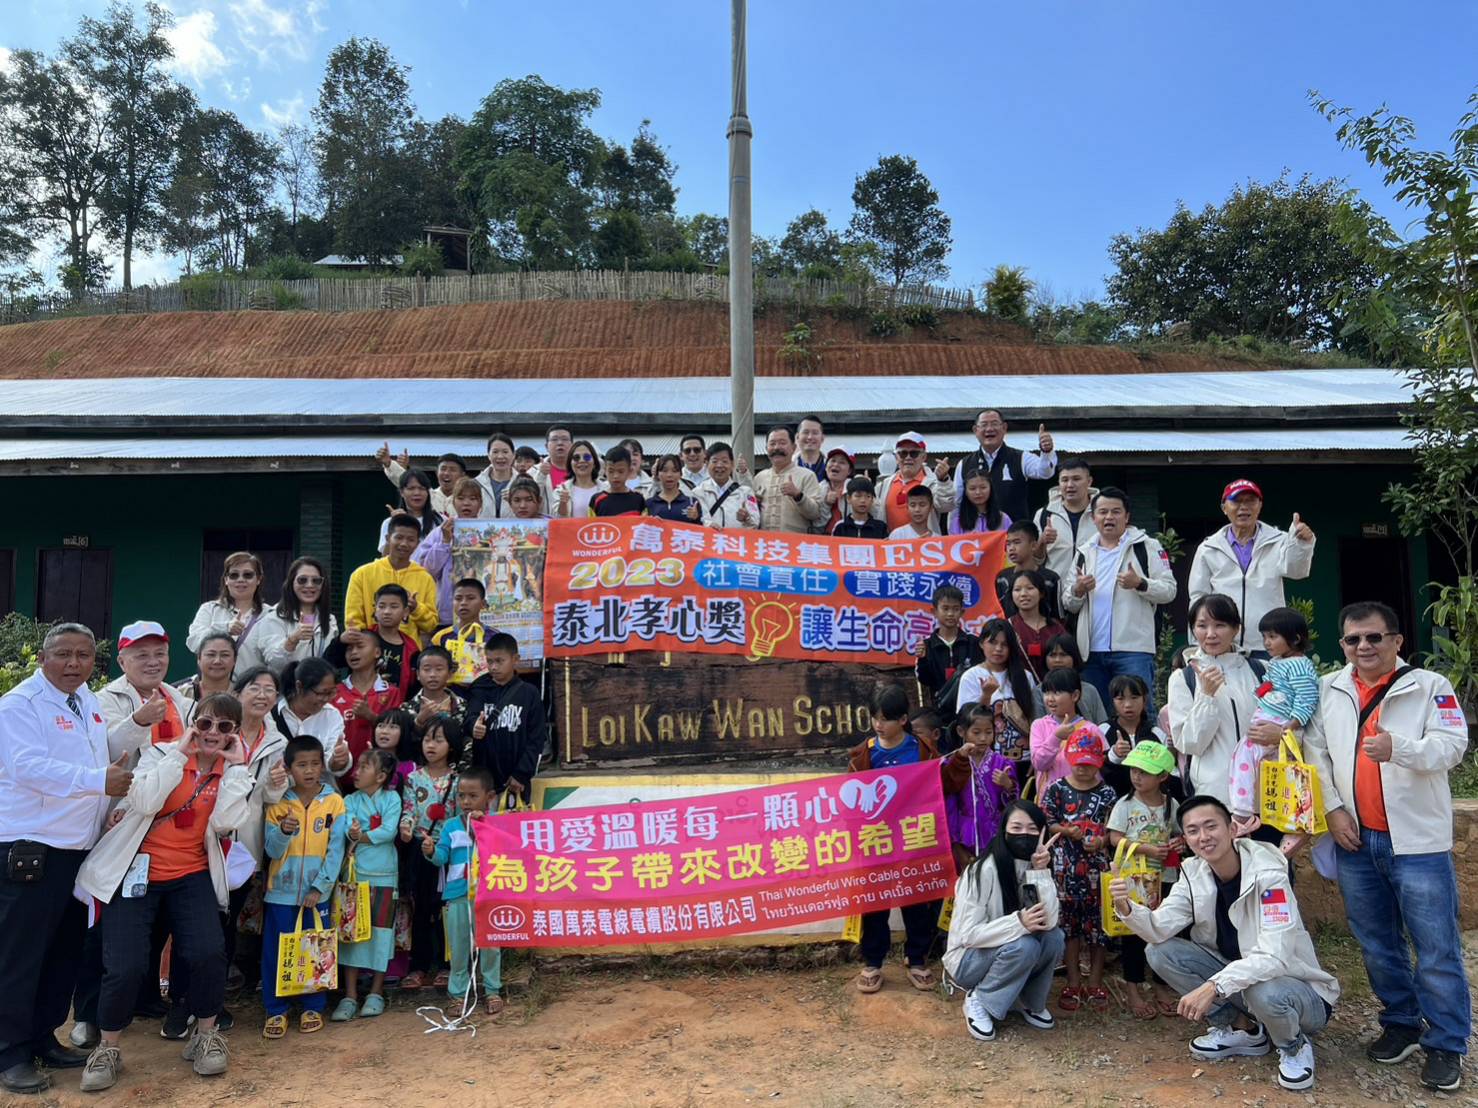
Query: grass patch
{"points": [[1464, 779], [1339, 954]]}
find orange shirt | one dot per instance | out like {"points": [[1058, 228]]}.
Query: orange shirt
{"points": [[176, 844], [171, 727], [897, 505], [1370, 793]]}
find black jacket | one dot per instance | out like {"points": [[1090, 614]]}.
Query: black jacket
{"points": [[516, 736], [849, 528], [933, 669]]}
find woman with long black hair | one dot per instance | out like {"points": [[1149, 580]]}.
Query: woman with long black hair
{"points": [[415, 500], [301, 626]]}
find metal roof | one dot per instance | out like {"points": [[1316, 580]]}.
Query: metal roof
{"points": [[1311, 441], [639, 402]]}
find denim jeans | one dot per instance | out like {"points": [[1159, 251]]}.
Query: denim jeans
{"points": [[1386, 893], [1102, 667], [1288, 1008], [1019, 970]]}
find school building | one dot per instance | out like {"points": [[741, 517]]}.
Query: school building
{"points": [[136, 451]]}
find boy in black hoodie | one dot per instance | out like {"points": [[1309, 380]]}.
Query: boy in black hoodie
{"points": [[509, 735], [949, 651]]}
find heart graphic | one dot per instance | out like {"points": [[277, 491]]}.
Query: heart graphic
{"points": [[869, 799]]}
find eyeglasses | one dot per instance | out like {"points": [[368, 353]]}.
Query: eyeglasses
{"points": [[582, 457], [241, 575], [223, 726], [307, 580], [993, 425], [1371, 638]]}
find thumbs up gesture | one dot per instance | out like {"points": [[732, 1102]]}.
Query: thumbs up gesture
{"points": [[1300, 530], [428, 844], [119, 778], [277, 775], [151, 711], [382, 455], [1044, 439]]}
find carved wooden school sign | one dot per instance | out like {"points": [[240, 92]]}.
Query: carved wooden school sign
{"points": [[667, 707]]}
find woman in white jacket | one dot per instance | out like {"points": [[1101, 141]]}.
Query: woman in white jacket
{"points": [[1212, 699], [163, 854], [238, 610], [1004, 942], [301, 626]]}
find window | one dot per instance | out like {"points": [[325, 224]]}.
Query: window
{"points": [[274, 546], [76, 585], [7, 581]]}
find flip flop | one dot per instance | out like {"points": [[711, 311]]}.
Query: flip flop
{"points": [[921, 979], [1070, 999], [1098, 1000], [869, 980]]}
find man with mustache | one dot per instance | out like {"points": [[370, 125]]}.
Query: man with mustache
{"points": [[790, 496]]}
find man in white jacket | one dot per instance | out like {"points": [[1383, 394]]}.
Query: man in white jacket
{"points": [[1066, 523], [1248, 969], [1115, 584], [1248, 560], [1384, 738], [141, 707]]}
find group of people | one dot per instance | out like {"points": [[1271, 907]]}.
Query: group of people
{"points": [[310, 751]]}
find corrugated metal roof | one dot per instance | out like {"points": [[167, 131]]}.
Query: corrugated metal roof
{"points": [[1092, 443], [652, 399]]}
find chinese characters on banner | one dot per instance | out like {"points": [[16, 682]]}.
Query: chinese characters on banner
{"points": [[646, 584], [723, 864], [507, 556]]}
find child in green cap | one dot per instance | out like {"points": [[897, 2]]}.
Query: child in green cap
{"points": [[1150, 818]]}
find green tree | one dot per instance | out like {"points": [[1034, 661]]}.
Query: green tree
{"points": [[1267, 262], [59, 131], [364, 122], [528, 165], [1436, 269], [640, 179], [708, 238], [897, 210], [125, 61], [432, 149], [220, 192], [297, 175], [1008, 293], [810, 248], [620, 242]]}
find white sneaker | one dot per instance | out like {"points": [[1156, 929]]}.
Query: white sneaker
{"points": [[1042, 1021], [84, 1036], [977, 1019], [104, 1065], [1228, 1042], [1296, 1066]]}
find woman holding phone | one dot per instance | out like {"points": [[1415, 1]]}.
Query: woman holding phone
{"points": [[163, 853], [300, 627], [238, 610]]}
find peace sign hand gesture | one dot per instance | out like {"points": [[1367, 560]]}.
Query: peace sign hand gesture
{"points": [[1042, 856]]}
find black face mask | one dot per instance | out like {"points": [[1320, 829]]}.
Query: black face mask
{"points": [[1022, 847]]}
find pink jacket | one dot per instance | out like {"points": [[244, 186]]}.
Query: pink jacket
{"points": [[1047, 757]]}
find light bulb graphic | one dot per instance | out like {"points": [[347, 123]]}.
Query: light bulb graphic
{"points": [[770, 624]]}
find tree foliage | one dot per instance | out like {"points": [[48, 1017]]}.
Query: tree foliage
{"points": [[897, 210], [220, 191], [810, 248], [1268, 262], [1008, 294]]}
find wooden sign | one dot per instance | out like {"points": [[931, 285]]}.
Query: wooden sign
{"points": [[655, 707]]}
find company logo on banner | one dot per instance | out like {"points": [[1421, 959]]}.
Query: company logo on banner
{"points": [[648, 584], [507, 556], [707, 866]]}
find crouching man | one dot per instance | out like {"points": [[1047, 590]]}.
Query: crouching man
{"points": [[1249, 968]]}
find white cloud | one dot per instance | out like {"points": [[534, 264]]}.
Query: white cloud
{"points": [[196, 54], [237, 91], [271, 32], [284, 111], [4, 59]]}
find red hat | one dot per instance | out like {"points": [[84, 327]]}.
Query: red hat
{"points": [[1084, 747], [1238, 487], [835, 450]]}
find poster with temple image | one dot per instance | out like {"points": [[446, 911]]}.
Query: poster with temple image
{"points": [[507, 556]]}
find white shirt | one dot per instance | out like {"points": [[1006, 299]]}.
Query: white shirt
{"points": [[53, 766], [906, 532], [692, 478], [734, 496], [1105, 577], [327, 727]]}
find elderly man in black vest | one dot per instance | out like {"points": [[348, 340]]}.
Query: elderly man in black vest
{"points": [[1008, 467]]}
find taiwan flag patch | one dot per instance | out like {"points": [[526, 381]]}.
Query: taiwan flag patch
{"points": [[1449, 712], [1276, 912]]}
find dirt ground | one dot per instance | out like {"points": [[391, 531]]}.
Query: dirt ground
{"points": [[791, 1029]]}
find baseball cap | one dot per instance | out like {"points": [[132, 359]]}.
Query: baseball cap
{"points": [[1152, 757], [910, 438], [1084, 747], [138, 631], [1239, 486], [837, 450]]}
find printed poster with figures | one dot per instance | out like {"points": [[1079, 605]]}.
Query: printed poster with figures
{"points": [[507, 556], [705, 867], [629, 584]]}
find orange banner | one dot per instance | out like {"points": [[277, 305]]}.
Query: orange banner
{"points": [[633, 583]]}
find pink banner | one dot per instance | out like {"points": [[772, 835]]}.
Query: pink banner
{"points": [[708, 866]]}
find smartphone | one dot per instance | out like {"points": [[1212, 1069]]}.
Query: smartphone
{"points": [[1029, 895]]}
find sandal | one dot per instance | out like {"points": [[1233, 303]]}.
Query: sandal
{"points": [[346, 1010], [870, 980], [921, 979], [1168, 1007], [1070, 999], [310, 1022], [413, 980], [494, 1005], [374, 1005], [1141, 1004], [441, 980], [275, 1027], [1098, 999]]}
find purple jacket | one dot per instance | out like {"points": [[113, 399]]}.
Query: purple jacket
{"points": [[974, 813]]}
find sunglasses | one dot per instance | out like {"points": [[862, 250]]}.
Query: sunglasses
{"points": [[1371, 638], [307, 580], [909, 453], [582, 457], [241, 575], [223, 726], [692, 450]]}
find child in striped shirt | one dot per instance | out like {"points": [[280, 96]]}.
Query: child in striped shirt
{"points": [[1288, 696]]}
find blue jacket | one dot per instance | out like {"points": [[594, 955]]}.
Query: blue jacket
{"points": [[376, 861], [308, 859], [455, 849]]}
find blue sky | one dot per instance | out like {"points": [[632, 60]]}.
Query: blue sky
{"points": [[1046, 126]]}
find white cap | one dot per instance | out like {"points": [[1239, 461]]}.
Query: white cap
{"points": [[139, 630], [910, 438]]}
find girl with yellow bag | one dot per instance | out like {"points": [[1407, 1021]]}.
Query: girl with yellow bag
{"points": [[370, 823]]}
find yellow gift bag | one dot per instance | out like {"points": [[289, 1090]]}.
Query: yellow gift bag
{"points": [[852, 930], [1132, 868], [307, 961], [352, 908], [946, 913], [1291, 798]]}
